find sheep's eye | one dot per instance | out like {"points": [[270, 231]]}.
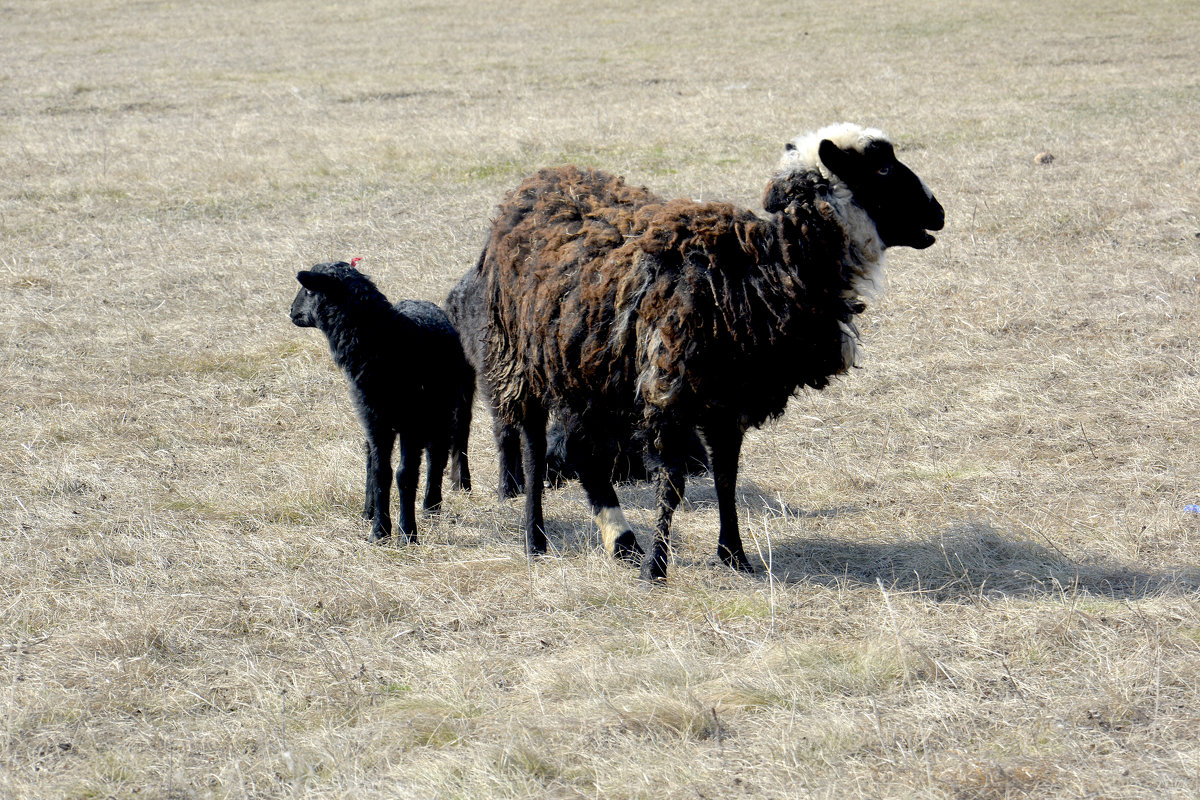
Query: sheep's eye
{"points": [[309, 293], [884, 171]]}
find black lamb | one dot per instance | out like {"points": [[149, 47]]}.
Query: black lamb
{"points": [[676, 316], [408, 378]]}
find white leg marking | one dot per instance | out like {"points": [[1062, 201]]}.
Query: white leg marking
{"points": [[611, 520]]}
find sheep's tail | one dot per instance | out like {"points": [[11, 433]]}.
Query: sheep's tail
{"points": [[500, 363]]}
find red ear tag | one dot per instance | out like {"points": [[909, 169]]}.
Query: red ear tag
{"points": [[354, 261]]}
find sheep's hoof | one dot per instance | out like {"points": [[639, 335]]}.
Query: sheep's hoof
{"points": [[378, 537], [535, 546], [626, 548], [737, 561], [654, 569]]}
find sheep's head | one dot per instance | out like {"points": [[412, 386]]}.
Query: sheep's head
{"points": [[861, 164], [322, 289]]}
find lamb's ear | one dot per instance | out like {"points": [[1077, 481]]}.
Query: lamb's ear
{"points": [[839, 162], [319, 282], [775, 197]]}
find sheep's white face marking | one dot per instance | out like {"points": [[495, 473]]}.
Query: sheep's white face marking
{"points": [[802, 153], [612, 523], [880, 201]]}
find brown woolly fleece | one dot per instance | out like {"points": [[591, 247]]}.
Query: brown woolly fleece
{"points": [[613, 305]]}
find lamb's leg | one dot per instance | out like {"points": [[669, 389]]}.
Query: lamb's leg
{"points": [[436, 453], [534, 439], [406, 482], [724, 442], [379, 482], [368, 512]]}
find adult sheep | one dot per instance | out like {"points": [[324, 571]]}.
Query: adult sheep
{"points": [[702, 316]]}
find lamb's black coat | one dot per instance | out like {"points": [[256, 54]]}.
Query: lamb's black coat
{"points": [[680, 315], [408, 378]]}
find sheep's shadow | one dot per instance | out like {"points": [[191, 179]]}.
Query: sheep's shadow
{"points": [[967, 559], [701, 494]]}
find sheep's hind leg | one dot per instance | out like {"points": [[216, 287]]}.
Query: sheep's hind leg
{"points": [[406, 482], [508, 445], [724, 448], [534, 440], [436, 454], [460, 471]]}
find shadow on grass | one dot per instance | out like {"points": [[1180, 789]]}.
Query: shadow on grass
{"points": [[700, 494], [965, 560]]}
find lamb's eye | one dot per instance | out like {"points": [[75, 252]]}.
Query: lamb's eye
{"points": [[884, 171]]}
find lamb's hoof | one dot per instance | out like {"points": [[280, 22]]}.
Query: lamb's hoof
{"points": [[535, 547], [379, 537], [627, 549]]}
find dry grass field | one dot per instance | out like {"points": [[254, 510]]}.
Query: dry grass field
{"points": [[976, 577]]}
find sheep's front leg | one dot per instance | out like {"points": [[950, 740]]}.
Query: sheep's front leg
{"points": [[724, 448], [534, 439], [595, 465], [406, 482], [671, 479], [379, 482]]}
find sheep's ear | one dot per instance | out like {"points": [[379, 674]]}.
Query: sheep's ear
{"points": [[775, 198], [839, 162], [319, 282]]}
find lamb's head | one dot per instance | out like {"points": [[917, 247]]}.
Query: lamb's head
{"points": [[860, 165], [327, 291]]}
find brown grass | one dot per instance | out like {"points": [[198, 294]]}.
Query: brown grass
{"points": [[983, 581]]}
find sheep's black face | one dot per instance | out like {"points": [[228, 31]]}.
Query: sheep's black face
{"points": [[903, 208], [317, 287], [304, 308]]}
